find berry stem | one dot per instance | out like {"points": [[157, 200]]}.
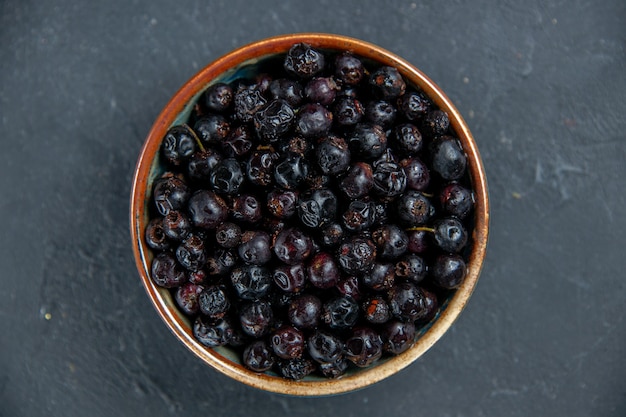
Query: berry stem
{"points": [[421, 229], [197, 139]]}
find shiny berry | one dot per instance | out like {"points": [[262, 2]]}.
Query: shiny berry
{"points": [[287, 342], [295, 369], [389, 177], [191, 253], [155, 235], [202, 163], [418, 241], [398, 336], [356, 255], [303, 61], [170, 193], [178, 144], [417, 173], [350, 287], [435, 123], [197, 277], [414, 208], [176, 225], [387, 83], [333, 155], [212, 333], [376, 310], [317, 208], [450, 235], [258, 356], [349, 69], [324, 347], [292, 246], [411, 267], [212, 129], [282, 204], [218, 97], [238, 142], [407, 302], [335, 369], [256, 318], [228, 235], [260, 167], [322, 271], [255, 248], [359, 216], [456, 200], [381, 113], [368, 141], [288, 90], [431, 306], [290, 171], [274, 120], [246, 208], [331, 235], [358, 181], [348, 111], [214, 302], [448, 271], [413, 105], [313, 120], [391, 241], [340, 313], [321, 90], [304, 311], [364, 347], [186, 297], [226, 177], [448, 159], [251, 282], [381, 277], [221, 262], [290, 278], [248, 100], [406, 138], [207, 209], [166, 271]]}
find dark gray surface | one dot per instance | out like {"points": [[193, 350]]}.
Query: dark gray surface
{"points": [[540, 83]]}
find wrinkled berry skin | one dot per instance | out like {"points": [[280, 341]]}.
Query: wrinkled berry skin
{"points": [[303, 61], [287, 342], [325, 347], [290, 278], [295, 369], [317, 208], [251, 282], [387, 83], [212, 334], [407, 138], [218, 97], [407, 302], [255, 249], [411, 267], [340, 313], [391, 241], [413, 105], [368, 141], [248, 100], [358, 181], [357, 255], [288, 90], [212, 129], [256, 318], [274, 120], [170, 193], [313, 120], [258, 356], [292, 246], [155, 235], [166, 272], [213, 302], [282, 203], [290, 171], [398, 336], [191, 253], [228, 235], [364, 347], [333, 155], [186, 297], [349, 69], [178, 144]]}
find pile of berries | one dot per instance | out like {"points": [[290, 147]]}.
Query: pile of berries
{"points": [[313, 218]]}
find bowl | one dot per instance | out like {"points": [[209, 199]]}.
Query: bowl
{"points": [[149, 167]]}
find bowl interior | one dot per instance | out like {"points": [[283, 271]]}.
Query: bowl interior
{"points": [[244, 63]]}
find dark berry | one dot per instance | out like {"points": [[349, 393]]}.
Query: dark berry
{"points": [[258, 356], [323, 271], [274, 120], [335, 369], [170, 193], [348, 111], [155, 235], [282, 204], [431, 306], [303, 61], [349, 287], [212, 129], [324, 347], [255, 248], [448, 271], [247, 209], [228, 235], [288, 90], [456, 200], [296, 145], [262, 82], [340, 313], [407, 302], [406, 138], [176, 225], [221, 262], [391, 241], [411, 267], [238, 142], [381, 216], [202, 163], [295, 369], [414, 208], [178, 144], [448, 159], [226, 177], [387, 83], [211, 333], [413, 105], [349, 69], [197, 277], [368, 141], [256, 318], [166, 271], [331, 235], [214, 302], [358, 181], [418, 241], [251, 282], [435, 123], [317, 208], [290, 278], [321, 90], [304, 311], [287, 342], [207, 209], [381, 113], [191, 253], [364, 347], [417, 173], [381, 277], [356, 255], [187, 298], [359, 216], [450, 235], [292, 246], [313, 120], [248, 100], [218, 97], [376, 310], [398, 336], [290, 171], [260, 167], [333, 155]]}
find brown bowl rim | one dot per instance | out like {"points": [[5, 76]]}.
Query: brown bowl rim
{"points": [[163, 303]]}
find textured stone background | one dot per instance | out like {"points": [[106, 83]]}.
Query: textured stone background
{"points": [[542, 86]]}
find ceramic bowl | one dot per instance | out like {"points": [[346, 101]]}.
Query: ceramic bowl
{"points": [[243, 61]]}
